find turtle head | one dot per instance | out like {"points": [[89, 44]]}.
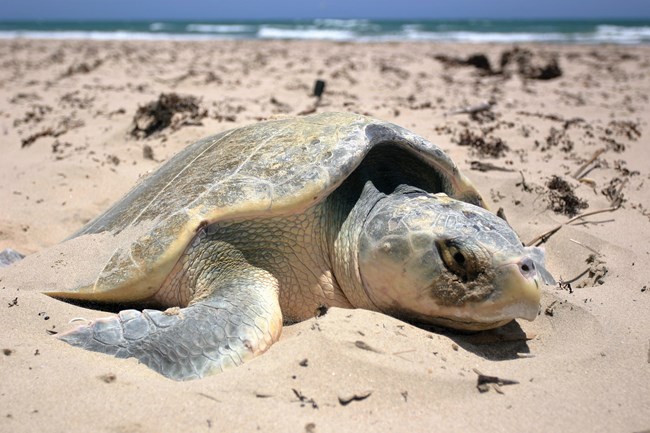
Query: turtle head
{"points": [[438, 260]]}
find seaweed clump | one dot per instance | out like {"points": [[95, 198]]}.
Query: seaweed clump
{"points": [[169, 110], [521, 61], [562, 199], [484, 146], [535, 66]]}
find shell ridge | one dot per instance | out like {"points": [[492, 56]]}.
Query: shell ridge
{"points": [[99, 276], [232, 175], [180, 172], [130, 249]]}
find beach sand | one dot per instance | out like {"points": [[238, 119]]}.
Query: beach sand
{"points": [[551, 147]]}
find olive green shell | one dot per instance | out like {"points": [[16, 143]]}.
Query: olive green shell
{"points": [[273, 168]]}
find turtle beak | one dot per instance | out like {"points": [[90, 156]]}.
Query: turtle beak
{"points": [[517, 293]]}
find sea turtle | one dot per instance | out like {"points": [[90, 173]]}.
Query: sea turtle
{"points": [[269, 223]]}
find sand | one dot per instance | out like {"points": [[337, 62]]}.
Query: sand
{"points": [[66, 114]]}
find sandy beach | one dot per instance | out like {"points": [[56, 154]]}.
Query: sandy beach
{"points": [[546, 132]]}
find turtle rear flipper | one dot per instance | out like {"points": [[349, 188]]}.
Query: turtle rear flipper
{"points": [[236, 317]]}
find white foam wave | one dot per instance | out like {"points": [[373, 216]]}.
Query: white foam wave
{"points": [[355, 25], [156, 27], [268, 32], [343, 30], [106, 36], [603, 34], [219, 28], [333, 22], [621, 35], [485, 37]]}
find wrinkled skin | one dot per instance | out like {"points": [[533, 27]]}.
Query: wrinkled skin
{"points": [[444, 261]]}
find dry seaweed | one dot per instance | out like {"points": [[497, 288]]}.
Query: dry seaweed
{"points": [[47, 132], [556, 138], [479, 61], [595, 274], [614, 190], [484, 146], [169, 110], [526, 63], [36, 114], [562, 199], [628, 129], [82, 68], [522, 61]]}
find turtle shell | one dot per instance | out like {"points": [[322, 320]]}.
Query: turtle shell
{"points": [[268, 169]]}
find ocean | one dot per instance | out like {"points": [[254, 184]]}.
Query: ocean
{"points": [[361, 30]]}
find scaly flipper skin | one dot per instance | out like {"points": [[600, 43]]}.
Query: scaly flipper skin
{"points": [[234, 316]]}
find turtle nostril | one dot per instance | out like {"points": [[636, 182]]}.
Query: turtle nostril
{"points": [[527, 267]]}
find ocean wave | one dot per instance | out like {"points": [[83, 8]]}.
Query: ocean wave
{"points": [[334, 22], [360, 25], [269, 32], [156, 27], [478, 37], [345, 30], [621, 35], [105, 36], [220, 28]]}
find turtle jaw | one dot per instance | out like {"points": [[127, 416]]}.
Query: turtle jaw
{"points": [[516, 295], [518, 292], [508, 289]]}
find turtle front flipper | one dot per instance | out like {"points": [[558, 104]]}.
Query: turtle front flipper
{"points": [[234, 316]]}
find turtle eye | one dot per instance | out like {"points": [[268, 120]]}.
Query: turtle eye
{"points": [[456, 259], [459, 258]]}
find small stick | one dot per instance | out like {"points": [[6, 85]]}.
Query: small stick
{"points": [[485, 106], [617, 200], [544, 237], [484, 382], [573, 280], [403, 352], [584, 223], [585, 246], [487, 166], [524, 185], [596, 154]]}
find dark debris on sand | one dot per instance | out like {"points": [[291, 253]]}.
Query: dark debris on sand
{"points": [[521, 61], [479, 61], [82, 68], [595, 273], [562, 199], [628, 129], [170, 110], [526, 63], [556, 138], [482, 145], [65, 125]]}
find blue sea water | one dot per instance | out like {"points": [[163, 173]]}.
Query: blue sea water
{"points": [[506, 31]]}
